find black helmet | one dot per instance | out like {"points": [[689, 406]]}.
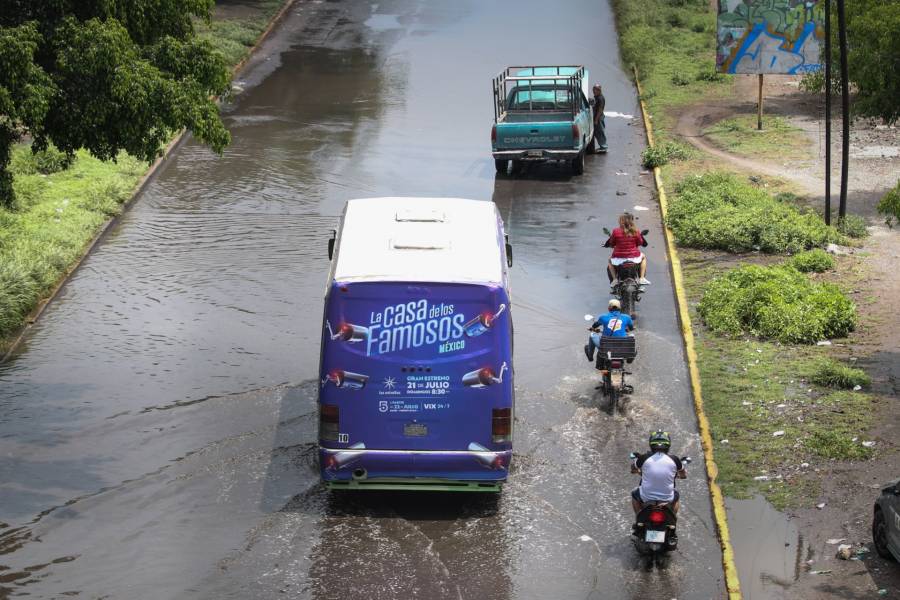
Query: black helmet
{"points": [[659, 441]]}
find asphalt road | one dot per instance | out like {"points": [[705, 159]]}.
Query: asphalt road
{"points": [[157, 427]]}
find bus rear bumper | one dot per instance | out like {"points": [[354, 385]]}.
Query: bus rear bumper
{"points": [[414, 469]]}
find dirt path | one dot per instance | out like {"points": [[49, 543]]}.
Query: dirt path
{"points": [[849, 488], [694, 119]]}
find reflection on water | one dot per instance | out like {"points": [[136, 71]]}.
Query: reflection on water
{"points": [[768, 548]]}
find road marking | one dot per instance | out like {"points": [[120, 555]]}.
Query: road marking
{"points": [[732, 583]]}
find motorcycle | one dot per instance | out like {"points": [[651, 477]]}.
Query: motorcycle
{"points": [[612, 354], [628, 274], [654, 532]]}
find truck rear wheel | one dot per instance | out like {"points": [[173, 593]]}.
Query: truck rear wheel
{"points": [[578, 164], [500, 165]]}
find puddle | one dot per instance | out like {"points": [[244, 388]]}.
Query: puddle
{"points": [[875, 152], [383, 22], [768, 548]]}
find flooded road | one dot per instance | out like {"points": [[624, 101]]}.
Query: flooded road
{"points": [[157, 427]]}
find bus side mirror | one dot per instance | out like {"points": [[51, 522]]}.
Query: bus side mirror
{"points": [[509, 253], [331, 244]]}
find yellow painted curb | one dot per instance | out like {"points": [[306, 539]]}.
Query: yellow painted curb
{"points": [[732, 583], [138, 188]]}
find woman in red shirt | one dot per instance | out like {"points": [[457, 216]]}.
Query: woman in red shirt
{"points": [[626, 242]]}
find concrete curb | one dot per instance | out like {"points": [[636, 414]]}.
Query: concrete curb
{"points": [[732, 583], [35, 314]]}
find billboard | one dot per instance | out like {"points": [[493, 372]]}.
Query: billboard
{"points": [[770, 36]]}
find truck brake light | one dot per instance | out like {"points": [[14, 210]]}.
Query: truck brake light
{"points": [[493, 133], [576, 133]]}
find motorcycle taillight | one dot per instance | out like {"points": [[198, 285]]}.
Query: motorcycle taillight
{"points": [[657, 517], [615, 364]]}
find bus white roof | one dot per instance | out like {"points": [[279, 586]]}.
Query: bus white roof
{"points": [[420, 239]]}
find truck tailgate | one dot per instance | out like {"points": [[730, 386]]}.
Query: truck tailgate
{"points": [[547, 134]]}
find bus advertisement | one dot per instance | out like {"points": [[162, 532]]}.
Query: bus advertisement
{"points": [[416, 380]]}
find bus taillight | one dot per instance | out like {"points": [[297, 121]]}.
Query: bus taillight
{"points": [[501, 425], [329, 422]]}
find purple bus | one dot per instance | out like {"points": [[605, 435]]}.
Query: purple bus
{"points": [[416, 374]]}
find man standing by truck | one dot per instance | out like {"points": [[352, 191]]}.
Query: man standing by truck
{"points": [[599, 120]]}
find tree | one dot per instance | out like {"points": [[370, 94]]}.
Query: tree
{"points": [[873, 36], [106, 75], [873, 31]]}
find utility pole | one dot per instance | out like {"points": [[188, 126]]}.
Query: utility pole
{"points": [[828, 112], [759, 108], [845, 107]]}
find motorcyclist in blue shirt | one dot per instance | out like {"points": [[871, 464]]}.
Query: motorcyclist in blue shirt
{"points": [[611, 324]]}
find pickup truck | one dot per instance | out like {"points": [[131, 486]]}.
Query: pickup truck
{"points": [[541, 114]]}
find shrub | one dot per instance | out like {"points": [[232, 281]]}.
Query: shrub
{"points": [[661, 154], [812, 261], [710, 75], [777, 303], [46, 162], [721, 211], [831, 373], [837, 445], [853, 226], [889, 205], [676, 19], [679, 79]]}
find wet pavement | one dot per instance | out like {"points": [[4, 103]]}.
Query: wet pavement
{"points": [[157, 427]]}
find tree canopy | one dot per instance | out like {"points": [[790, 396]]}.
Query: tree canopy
{"points": [[873, 37], [873, 58], [106, 75]]}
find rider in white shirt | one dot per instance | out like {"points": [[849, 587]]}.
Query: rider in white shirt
{"points": [[658, 473]]}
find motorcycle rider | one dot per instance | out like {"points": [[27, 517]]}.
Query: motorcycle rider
{"points": [[626, 241], [658, 473], [614, 324]]}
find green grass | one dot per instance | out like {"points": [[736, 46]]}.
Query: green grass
{"points": [[234, 37], [671, 42], [830, 373], [54, 218], [777, 303], [753, 389], [778, 140], [719, 210]]}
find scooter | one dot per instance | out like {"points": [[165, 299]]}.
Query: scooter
{"points": [[628, 274], [654, 532], [613, 354]]}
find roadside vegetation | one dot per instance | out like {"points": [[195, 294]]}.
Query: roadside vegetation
{"points": [[778, 411], [889, 206], [57, 211], [775, 303], [739, 135], [235, 34], [56, 201], [720, 210], [763, 292]]}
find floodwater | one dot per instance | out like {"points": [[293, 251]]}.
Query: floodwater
{"points": [[769, 550], [157, 427]]}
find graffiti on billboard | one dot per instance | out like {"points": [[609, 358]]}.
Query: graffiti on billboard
{"points": [[770, 36]]}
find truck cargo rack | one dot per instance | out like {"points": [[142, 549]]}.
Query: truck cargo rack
{"points": [[572, 76]]}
